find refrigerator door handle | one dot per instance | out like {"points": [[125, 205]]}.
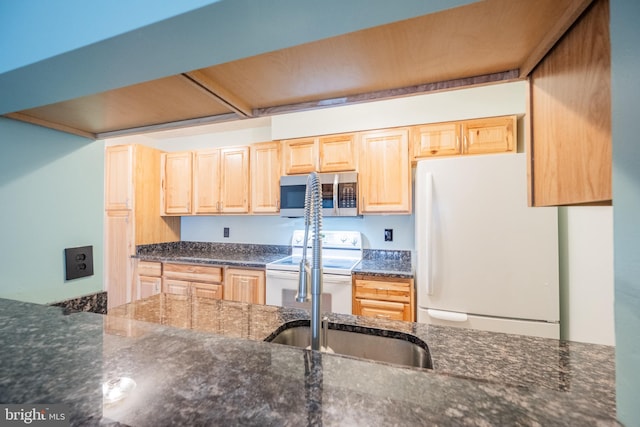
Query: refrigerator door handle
{"points": [[428, 216], [450, 316]]}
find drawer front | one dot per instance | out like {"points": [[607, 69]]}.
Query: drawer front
{"points": [[389, 291], [198, 273], [384, 309], [149, 268]]}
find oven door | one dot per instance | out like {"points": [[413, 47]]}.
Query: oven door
{"points": [[282, 287]]}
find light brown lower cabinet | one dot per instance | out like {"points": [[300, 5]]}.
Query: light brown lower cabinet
{"points": [[244, 285], [384, 298], [148, 279]]}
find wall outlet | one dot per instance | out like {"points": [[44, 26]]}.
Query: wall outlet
{"points": [[226, 232], [78, 262], [388, 234]]}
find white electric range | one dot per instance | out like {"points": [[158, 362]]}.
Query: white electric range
{"points": [[341, 252]]}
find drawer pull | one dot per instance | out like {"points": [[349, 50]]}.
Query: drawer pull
{"points": [[382, 316], [382, 289]]}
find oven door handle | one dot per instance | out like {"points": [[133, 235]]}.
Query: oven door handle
{"points": [[282, 274], [336, 279]]}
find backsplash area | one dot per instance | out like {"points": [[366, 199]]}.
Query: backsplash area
{"points": [[274, 230]]}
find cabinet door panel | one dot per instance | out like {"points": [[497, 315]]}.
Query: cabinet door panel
{"points": [[234, 186], [206, 290], [177, 182], [492, 135], [440, 139], [118, 248], [206, 181], [337, 153], [245, 286], [265, 177], [175, 287], [119, 178], [148, 286], [570, 156], [299, 155], [385, 174]]}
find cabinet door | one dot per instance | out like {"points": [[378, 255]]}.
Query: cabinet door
{"points": [[234, 185], [206, 290], [118, 190], [337, 153], [206, 181], [265, 177], [492, 135], [148, 286], [570, 157], [175, 287], [439, 139], [118, 250], [176, 183], [245, 286], [383, 309], [385, 174], [299, 155]]}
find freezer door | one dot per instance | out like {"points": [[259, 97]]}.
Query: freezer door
{"points": [[480, 249], [493, 324]]}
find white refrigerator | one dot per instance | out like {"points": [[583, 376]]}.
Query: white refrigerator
{"points": [[484, 259]]}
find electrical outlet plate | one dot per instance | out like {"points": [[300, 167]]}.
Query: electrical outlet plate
{"points": [[388, 234], [78, 262], [226, 231]]}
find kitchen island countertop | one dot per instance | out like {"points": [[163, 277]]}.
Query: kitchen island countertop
{"points": [[215, 369]]}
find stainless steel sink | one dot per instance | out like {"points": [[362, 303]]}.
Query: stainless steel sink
{"points": [[367, 343]]}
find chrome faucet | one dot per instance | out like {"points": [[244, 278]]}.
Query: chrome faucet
{"points": [[312, 214]]}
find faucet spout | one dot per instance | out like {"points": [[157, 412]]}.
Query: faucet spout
{"points": [[312, 214]]}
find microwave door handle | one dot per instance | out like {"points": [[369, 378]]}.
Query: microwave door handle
{"points": [[335, 194]]}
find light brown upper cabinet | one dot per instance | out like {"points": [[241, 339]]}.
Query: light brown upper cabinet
{"points": [[265, 177], [385, 172], [570, 112], [478, 136], [330, 153], [221, 180], [119, 178], [337, 153], [299, 155], [176, 183]]}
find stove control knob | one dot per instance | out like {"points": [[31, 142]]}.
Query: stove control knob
{"points": [[354, 241], [343, 238]]}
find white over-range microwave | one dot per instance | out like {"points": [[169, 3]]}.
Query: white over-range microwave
{"points": [[339, 194]]}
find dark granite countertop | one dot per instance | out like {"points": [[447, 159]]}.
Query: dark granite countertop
{"points": [[215, 369], [385, 263], [374, 262], [237, 255]]}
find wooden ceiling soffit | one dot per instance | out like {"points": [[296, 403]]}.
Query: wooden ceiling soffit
{"points": [[222, 95], [551, 37], [51, 125], [501, 77], [219, 118]]}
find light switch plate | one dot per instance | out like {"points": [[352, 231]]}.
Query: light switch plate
{"points": [[78, 262]]}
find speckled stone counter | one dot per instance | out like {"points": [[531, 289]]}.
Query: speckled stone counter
{"points": [[233, 254], [385, 263], [216, 370]]}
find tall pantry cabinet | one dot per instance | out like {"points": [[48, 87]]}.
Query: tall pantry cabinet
{"points": [[132, 215]]}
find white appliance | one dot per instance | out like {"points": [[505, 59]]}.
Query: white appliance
{"points": [[485, 260], [341, 252]]}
